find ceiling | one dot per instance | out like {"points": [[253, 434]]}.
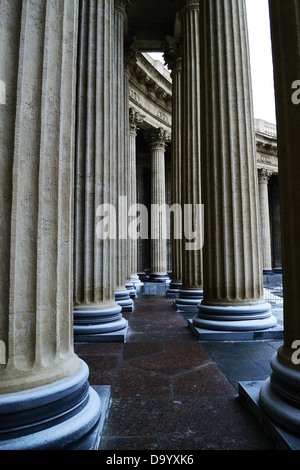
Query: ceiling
{"points": [[149, 22]]}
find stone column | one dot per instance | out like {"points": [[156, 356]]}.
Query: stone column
{"points": [[45, 398], [276, 225], [158, 141], [192, 264], [279, 395], [173, 60], [263, 180], [233, 282], [122, 294], [135, 119], [97, 316]]}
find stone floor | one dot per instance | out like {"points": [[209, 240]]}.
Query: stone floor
{"points": [[170, 392]]}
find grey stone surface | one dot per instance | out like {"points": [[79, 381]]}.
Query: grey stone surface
{"points": [[155, 288], [213, 335]]}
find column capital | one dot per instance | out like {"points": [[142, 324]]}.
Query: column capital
{"points": [[264, 174], [172, 54], [158, 138], [130, 55], [135, 119], [122, 6], [183, 6]]}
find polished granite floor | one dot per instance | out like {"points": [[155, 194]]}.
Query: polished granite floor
{"points": [[170, 392]]}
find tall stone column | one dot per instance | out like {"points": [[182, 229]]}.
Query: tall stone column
{"points": [[45, 398], [135, 119], [158, 141], [122, 294], [97, 317], [173, 60], [275, 224], [279, 395], [233, 283], [263, 180], [192, 263]]}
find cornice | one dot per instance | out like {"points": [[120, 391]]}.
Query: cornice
{"points": [[267, 148], [149, 87], [145, 110]]}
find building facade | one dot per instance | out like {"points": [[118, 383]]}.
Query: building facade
{"points": [[90, 127]]}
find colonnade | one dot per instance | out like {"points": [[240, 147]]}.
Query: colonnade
{"points": [[62, 127]]}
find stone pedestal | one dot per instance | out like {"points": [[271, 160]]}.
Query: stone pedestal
{"points": [[233, 283], [45, 398], [192, 263], [96, 313]]}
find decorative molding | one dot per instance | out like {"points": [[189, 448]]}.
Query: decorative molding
{"points": [[265, 147], [135, 98]]}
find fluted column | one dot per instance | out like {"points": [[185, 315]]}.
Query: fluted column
{"points": [[96, 314], [279, 395], [158, 141], [122, 294], [192, 263], [263, 180], [233, 283], [173, 60], [135, 119], [43, 382]]}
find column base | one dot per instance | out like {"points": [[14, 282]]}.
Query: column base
{"points": [[249, 395], [143, 277], [138, 284], [131, 289], [235, 318], [174, 288], [279, 397], [267, 272], [65, 415], [123, 299], [188, 300], [159, 278], [100, 325]]}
